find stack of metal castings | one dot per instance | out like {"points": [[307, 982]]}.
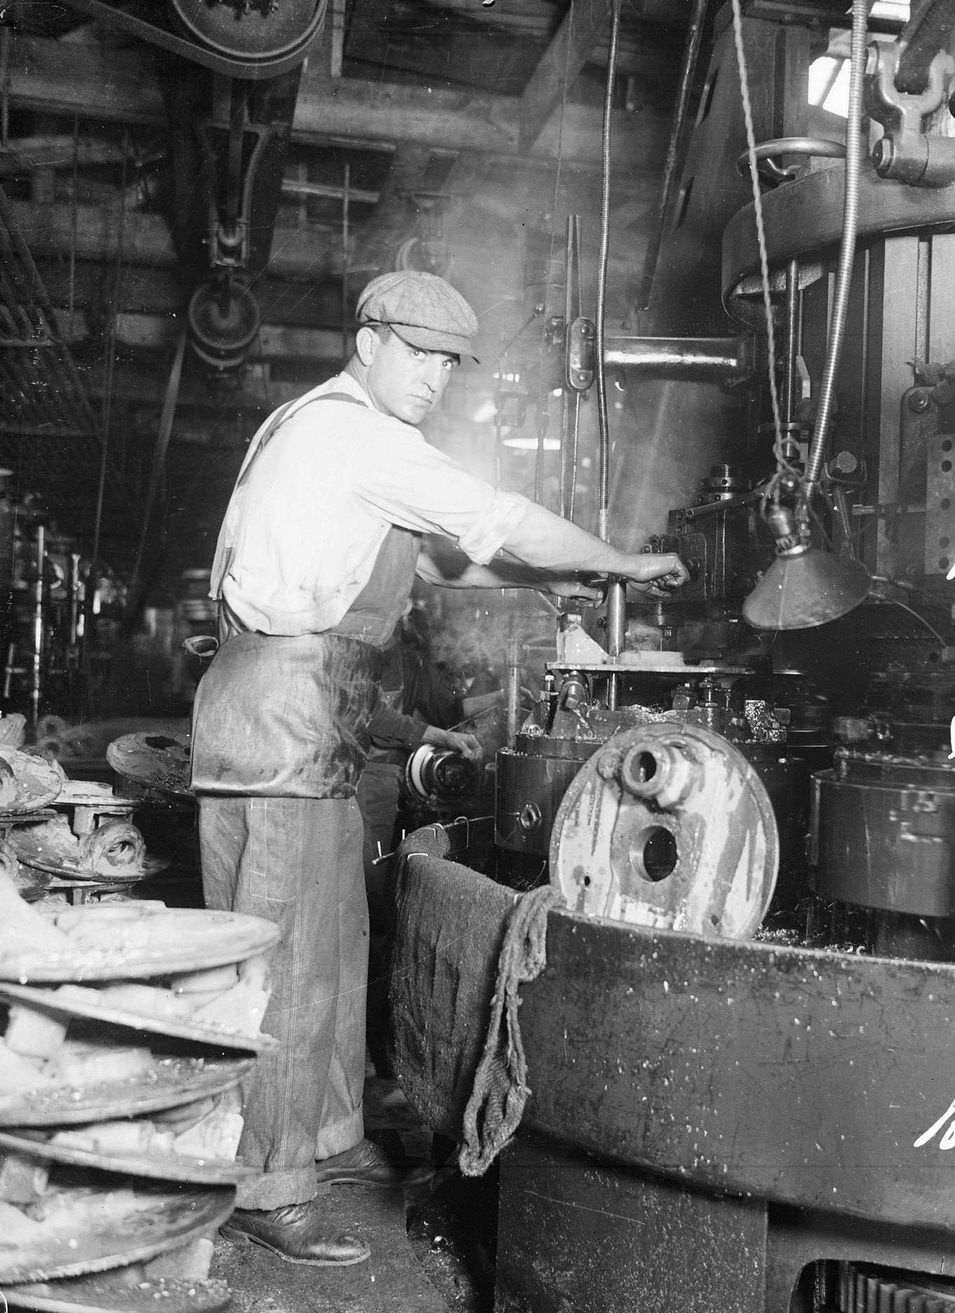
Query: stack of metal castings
{"points": [[127, 1029]]}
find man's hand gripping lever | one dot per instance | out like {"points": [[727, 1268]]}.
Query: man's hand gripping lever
{"points": [[654, 574]]}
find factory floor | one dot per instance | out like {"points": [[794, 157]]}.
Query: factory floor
{"points": [[431, 1246]]}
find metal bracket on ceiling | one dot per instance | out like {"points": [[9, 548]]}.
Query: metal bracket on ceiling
{"points": [[905, 152]]}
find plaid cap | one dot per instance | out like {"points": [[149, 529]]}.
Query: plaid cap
{"points": [[424, 310]]}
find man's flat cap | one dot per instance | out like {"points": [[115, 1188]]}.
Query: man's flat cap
{"points": [[423, 309]]}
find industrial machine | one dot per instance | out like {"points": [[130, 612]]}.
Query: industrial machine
{"points": [[745, 794]]}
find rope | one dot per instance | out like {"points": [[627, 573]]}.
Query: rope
{"points": [[500, 1090]]}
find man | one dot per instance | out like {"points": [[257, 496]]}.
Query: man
{"points": [[313, 568]]}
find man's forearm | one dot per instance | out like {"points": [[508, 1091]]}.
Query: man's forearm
{"points": [[551, 553], [499, 574], [550, 543]]}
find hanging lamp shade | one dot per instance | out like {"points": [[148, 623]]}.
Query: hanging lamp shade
{"points": [[805, 587]]}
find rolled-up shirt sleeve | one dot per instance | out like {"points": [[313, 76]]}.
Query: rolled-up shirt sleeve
{"points": [[415, 486]]}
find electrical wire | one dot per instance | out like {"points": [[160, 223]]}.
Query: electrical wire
{"points": [[894, 601]]}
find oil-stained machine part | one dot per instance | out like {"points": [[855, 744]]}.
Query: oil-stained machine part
{"points": [[883, 833], [531, 780], [668, 825]]}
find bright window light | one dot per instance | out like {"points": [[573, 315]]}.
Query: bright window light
{"points": [[829, 74], [829, 84]]}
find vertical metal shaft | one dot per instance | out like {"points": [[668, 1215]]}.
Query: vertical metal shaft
{"points": [[513, 689], [74, 595], [37, 679], [616, 633], [792, 341]]}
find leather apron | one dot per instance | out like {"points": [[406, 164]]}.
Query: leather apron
{"points": [[280, 716]]}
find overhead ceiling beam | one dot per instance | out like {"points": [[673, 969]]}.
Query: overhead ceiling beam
{"points": [[538, 15], [93, 231], [274, 341], [122, 86], [584, 24]]}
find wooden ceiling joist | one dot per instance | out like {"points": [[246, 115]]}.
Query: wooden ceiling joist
{"points": [[584, 24], [122, 86], [93, 231]]}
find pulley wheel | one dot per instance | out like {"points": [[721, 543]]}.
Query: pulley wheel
{"points": [[223, 330], [668, 825], [258, 31]]}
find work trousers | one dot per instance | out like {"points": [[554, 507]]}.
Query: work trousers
{"points": [[297, 862]]}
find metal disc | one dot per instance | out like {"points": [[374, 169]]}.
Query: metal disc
{"points": [[172, 1167], [154, 760], [168, 1083], [100, 797], [667, 825], [97, 1230], [70, 871], [73, 1001], [139, 940], [114, 1292]]}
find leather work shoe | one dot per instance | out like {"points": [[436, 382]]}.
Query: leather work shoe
{"points": [[298, 1233], [368, 1164]]}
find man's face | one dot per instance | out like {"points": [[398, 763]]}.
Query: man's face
{"points": [[407, 381]]}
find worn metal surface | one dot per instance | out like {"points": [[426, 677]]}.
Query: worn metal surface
{"points": [[94, 1230], [575, 1235], [171, 1167], [168, 1083], [809, 1077], [806, 216], [886, 842], [126, 941], [668, 825], [117, 1292], [531, 779], [72, 1001]]}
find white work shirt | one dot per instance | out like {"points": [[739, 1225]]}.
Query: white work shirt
{"points": [[311, 509]]}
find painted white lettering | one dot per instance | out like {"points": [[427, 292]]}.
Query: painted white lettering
{"points": [[948, 1139]]}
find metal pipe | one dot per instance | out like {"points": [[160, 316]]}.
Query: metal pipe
{"points": [[357, 195], [792, 341], [691, 54], [616, 589], [73, 589], [719, 357], [860, 11], [570, 393], [514, 650], [616, 618], [37, 670], [603, 473]]}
